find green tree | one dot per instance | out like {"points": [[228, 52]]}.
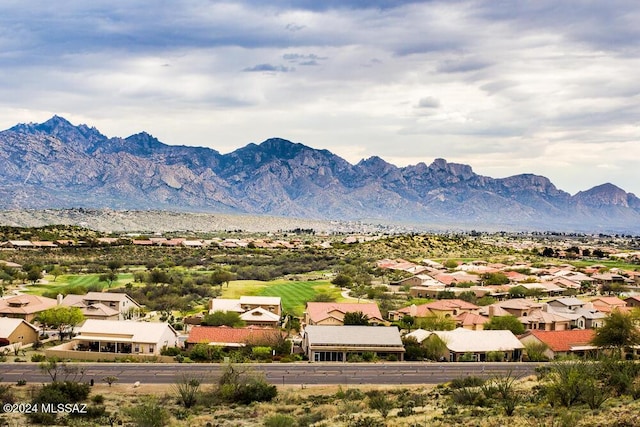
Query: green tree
{"points": [[108, 277], [620, 331], [56, 272], [508, 322], [223, 318], [438, 323], [497, 278], [342, 280], [518, 292], [64, 319], [356, 318], [220, 276]]}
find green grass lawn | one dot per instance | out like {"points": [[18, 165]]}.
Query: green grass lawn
{"points": [[72, 281], [294, 294]]}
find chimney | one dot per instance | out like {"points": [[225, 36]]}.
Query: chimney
{"points": [[492, 310], [59, 299]]}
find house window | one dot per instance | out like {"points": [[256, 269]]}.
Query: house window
{"points": [[150, 349], [137, 348]]}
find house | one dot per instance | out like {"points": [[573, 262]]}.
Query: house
{"points": [[518, 307], [609, 304], [471, 321], [247, 303], [571, 304], [582, 316], [337, 343], [124, 337], [260, 317], [562, 343], [104, 305], [479, 346], [225, 336], [17, 331], [545, 320], [25, 306], [332, 313], [633, 301], [444, 308]]}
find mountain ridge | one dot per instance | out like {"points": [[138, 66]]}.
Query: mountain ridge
{"points": [[56, 164]]}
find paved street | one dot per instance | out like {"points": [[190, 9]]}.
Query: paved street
{"points": [[281, 373]]}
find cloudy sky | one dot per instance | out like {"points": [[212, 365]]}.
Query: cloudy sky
{"points": [[542, 86]]}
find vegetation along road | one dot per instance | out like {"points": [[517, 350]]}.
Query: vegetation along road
{"points": [[283, 373]]}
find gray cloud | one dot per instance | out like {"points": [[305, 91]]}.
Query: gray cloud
{"points": [[428, 102], [269, 67]]}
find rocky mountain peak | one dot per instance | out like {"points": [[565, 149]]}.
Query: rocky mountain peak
{"points": [[603, 195], [463, 172], [58, 165]]}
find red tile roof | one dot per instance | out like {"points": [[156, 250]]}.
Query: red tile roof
{"points": [[564, 340], [225, 334]]}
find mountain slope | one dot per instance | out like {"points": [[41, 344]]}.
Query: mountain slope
{"points": [[58, 165]]}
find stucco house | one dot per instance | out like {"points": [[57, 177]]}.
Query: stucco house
{"points": [[17, 331], [332, 313], [263, 310], [25, 306], [228, 337], [104, 305], [124, 337], [337, 343], [562, 343], [478, 346]]}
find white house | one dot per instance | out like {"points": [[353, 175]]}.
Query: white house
{"points": [[125, 337]]}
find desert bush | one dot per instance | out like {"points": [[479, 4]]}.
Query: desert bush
{"points": [[280, 420], [149, 413], [469, 381]]}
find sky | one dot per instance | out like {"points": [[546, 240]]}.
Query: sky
{"points": [[543, 86]]}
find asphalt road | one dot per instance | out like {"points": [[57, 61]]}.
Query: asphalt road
{"points": [[279, 373]]}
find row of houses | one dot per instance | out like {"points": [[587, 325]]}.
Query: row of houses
{"points": [[430, 278], [166, 242]]}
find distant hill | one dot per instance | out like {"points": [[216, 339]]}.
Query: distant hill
{"points": [[58, 165]]}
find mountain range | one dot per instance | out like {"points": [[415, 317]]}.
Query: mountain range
{"points": [[58, 165]]}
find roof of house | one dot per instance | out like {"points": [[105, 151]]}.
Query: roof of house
{"points": [[222, 304], [98, 309], [107, 296], [470, 319], [123, 330], [463, 340], [223, 335], [612, 301], [259, 314], [8, 325], [569, 302], [563, 340], [259, 300], [451, 304], [26, 304], [318, 311], [387, 336]]}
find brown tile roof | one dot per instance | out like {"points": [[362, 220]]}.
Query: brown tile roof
{"points": [[226, 335], [451, 304], [470, 319], [564, 340], [318, 311], [26, 304]]}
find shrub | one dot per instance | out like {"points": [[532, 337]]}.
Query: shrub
{"points": [[469, 381], [280, 420], [149, 413], [38, 358]]}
